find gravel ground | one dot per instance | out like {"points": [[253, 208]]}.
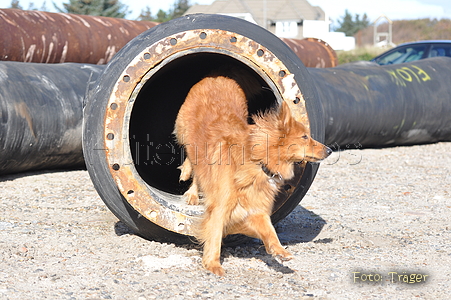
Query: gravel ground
{"points": [[382, 212]]}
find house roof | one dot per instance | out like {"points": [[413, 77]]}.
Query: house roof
{"points": [[276, 10]]}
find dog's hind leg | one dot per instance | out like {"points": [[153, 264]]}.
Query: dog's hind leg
{"points": [[187, 170], [192, 194], [260, 226], [212, 233]]}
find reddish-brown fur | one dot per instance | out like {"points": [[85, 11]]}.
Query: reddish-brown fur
{"points": [[226, 155]]}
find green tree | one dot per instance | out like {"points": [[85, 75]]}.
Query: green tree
{"points": [[43, 7], [15, 4], [162, 16], [105, 8], [350, 25], [179, 8], [145, 15]]}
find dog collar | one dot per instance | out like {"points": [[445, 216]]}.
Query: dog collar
{"points": [[274, 177]]}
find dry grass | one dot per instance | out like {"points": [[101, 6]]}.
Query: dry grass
{"points": [[360, 53], [408, 31]]}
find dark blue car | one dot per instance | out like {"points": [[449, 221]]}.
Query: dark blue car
{"points": [[414, 51]]}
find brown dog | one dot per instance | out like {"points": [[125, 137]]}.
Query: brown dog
{"points": [[239, 167]]}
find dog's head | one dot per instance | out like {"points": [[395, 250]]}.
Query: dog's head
{"points": [[296, 143], [279, 139]]}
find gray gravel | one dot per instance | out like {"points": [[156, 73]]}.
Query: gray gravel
{"points": [[373, 211]]}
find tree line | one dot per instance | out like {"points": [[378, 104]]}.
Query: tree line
{"points": [[111, 8], [348, 24]]}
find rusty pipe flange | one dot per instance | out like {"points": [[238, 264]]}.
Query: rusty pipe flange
{"points": [[129, 118]]}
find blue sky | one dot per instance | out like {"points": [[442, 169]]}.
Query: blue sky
{"points": [[394, 9]]}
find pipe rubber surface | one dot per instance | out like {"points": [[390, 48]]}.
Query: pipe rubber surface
{"points": [[41, 115]]}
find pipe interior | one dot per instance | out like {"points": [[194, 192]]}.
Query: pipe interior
{"points": [[154, 149]]}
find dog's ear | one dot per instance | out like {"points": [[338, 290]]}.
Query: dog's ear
{"points": [[285, 115]]}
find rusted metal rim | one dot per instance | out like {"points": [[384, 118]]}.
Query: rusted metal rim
{"points": [[158, 206]]}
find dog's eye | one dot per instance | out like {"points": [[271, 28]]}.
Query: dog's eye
{"points": [[305, 137]]}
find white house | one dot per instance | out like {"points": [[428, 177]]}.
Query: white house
{"points": [[285, 18]]}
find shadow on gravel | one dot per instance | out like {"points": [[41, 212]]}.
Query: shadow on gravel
{"points": [[300, 226], [21, 174], [122, 229]]}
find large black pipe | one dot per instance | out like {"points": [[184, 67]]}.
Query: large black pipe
{"points": [[367, 105], [41, 115], [128, 144], [364, 105]]}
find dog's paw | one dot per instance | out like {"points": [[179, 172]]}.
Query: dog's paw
{"points": [[191, 198], [281, 253], [185, 174], [284, 257], [216, 269]]}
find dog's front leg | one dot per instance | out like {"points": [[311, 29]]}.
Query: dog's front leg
{"points": [[260, 226], [212, 232]]}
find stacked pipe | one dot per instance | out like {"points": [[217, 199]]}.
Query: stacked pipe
{"points": [[313, 52], [41, 104], [41, 115], [57, 37], [44, 37]]}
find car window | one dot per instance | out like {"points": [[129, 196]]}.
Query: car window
{"points": [[401, 55], [440, 50]]}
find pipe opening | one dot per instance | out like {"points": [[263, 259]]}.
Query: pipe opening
{"points": [[155, 152]]}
